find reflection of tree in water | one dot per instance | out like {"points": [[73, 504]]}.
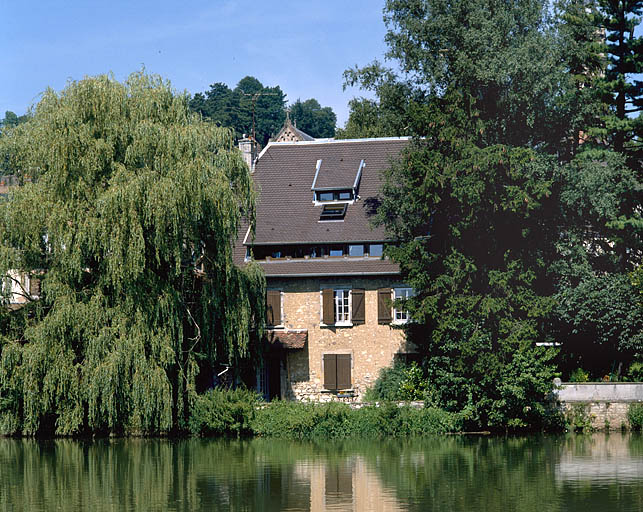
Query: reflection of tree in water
{"points": [[441, 473]]}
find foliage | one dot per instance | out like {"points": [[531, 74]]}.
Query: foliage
{"points": [[220, 412], [635, 372], [129, 210], [578, 418], [314, 120], [391, 381], [334, 420], [579, 375], [635, 416], [472, 200]]}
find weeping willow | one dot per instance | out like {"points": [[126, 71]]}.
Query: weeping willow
{"points": [[128, 208]]}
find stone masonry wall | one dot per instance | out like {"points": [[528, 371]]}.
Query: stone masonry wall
{"points": [[372, 346], [600, 415]]}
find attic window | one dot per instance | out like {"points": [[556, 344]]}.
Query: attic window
{"points": [[334, 195], [333, 212]]}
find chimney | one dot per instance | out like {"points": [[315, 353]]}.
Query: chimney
{"points": [[248, 150]]}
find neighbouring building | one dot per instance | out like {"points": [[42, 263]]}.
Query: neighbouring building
{"points": [[330, 311]]}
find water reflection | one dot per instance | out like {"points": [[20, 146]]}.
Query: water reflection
{"points": [[559, 473]]}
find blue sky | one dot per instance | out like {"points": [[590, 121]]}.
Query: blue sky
{"points": [[301, 46]]}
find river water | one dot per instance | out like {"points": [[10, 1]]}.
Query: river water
{"points": [[449, 473]]}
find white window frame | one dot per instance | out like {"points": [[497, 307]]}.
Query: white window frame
{"points": [[342, 299], [401, 293], [342, 323]]}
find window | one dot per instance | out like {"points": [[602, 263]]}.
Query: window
{"points": [[337, 371], [401, 316], [333, 212], [356, 250], [336, 250], [342, 311], [336, 307], [334, 195], [376, 250]]}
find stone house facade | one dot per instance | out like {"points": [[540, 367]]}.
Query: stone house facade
{"points": [[332, 313]]}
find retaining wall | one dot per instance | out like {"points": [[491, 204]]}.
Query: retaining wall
{"points": [[603, 404]]}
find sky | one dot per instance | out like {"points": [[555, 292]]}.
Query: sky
{"points": [[302, 46]]}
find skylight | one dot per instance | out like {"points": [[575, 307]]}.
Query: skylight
{"points": [[333, 212]]}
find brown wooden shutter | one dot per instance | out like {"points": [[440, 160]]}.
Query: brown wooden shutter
{"points": [[34, 287], [328, 310], [358, 315], [273, 307], [343, 371], [384, 305], [330, 371]]}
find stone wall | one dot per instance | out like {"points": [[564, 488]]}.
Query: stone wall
{"points": [[602, 405], [372, 346]]}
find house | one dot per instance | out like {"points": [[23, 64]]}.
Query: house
{"points": [[332, 324]]}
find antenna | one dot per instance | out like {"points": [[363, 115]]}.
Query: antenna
{"points": [[255, 97]]}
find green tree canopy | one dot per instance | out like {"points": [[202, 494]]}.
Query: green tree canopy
{"points": [[473, 200], [310, 117], [128, 213], [232, 108]]}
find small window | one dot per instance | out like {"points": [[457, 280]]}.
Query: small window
{"points": [[346, 195], [401, 316], [336, 250], [333, 212], [325, 196], [356, 250], [275, 253], [376, 250], [342, 307], [337, 371], [317, 252]]}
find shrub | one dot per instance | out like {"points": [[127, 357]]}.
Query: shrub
{"points": [[387, 385], [221, 412], [635, 416], [293, 420], [635, 372], [579, 375]]}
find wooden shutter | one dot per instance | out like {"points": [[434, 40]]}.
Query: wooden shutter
{"points": [[273, 307], [328, 310], [34, 287], [358, 315], [330, 371], [343, 371], [384, 305]]}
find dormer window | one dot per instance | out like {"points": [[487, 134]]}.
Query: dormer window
{"points": [[334, 195], [333, 212]]}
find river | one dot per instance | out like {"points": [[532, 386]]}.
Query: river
{"points": [[449, 473]]}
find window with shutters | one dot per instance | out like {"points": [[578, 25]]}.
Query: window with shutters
{"points": [[273, 308], [336, 307], [337, 371], [400, 314], [384, 305]]}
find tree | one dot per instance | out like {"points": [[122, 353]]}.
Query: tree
{"points": [[598, 314], [310, 117], [128, 216], [473, 200], [233, 108]]}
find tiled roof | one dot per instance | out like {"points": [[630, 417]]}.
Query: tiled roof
{"points": [[288, 339], [284, 175]]}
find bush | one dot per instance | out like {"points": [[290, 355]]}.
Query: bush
{"points": [[294, 420], [635, 372], [635, 416], [399, 382], [579, 375], [221, 412]]}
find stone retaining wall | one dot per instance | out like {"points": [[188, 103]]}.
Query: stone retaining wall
{"points": [[601, 405]]}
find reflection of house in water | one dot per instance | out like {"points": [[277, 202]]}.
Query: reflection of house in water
{"points": [[346, 484], [599, 458]]}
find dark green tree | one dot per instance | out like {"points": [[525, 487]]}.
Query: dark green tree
{"points": [[473, 200], [233, 108], [310, 117], [128, 216], [598, 314]]}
